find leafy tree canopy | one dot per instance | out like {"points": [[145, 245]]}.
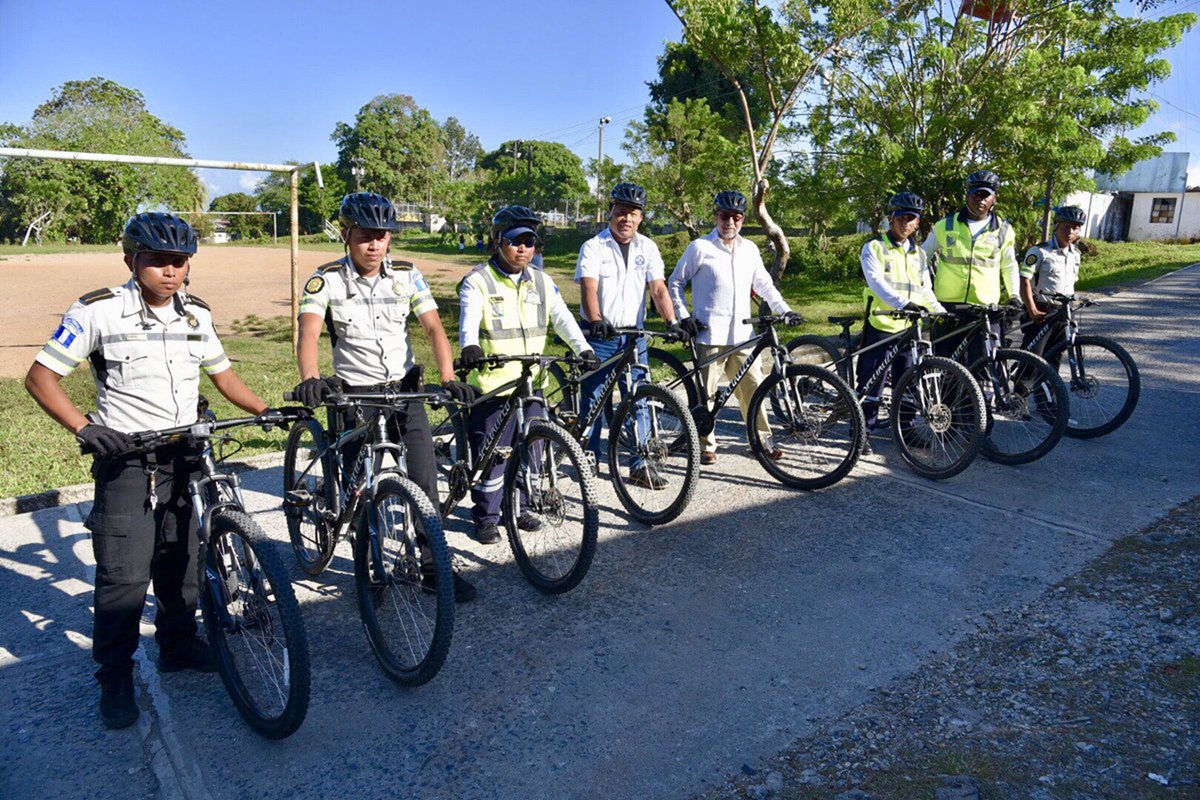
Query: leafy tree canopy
{"points": [[544, 175]]}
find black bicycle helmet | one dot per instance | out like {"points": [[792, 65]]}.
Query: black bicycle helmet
{"points": [[906, 201], [629, 194], [511, 217], [1071, 214], [160, 233], [368, 210], [731, 201], [983, 179]]}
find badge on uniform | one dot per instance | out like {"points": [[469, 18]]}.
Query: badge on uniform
{"points": [[192, 322], [397, 286], [640, 261], [315, 284], [1031, 259], [497, 305]]}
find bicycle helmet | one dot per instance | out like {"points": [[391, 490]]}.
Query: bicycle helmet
{"points": [[629, 194], [160, 233], [515, 220], [731, 201], [906, 202], [983, 179], [368, 210], [1071, 214]]}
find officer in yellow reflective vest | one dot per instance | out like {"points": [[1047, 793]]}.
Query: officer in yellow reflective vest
{"points": [[507, 309], [973, 254], [897, 275]]}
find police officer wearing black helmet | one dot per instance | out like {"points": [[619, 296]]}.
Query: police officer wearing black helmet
{"points": [[364, 300], [1051, 268], [147, 342]]}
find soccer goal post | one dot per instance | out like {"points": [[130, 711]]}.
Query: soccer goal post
{"points": [[163, 161]]}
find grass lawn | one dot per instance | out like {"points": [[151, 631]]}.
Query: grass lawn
{"points": [[36, 454]]}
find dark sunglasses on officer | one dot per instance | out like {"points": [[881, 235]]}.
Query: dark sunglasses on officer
{"points": [[526, 240]]}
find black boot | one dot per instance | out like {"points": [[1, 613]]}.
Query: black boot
{"points": [[193, 654], [118, 707]]}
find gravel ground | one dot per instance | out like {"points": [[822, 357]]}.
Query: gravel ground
{"points": [[1090, 691]]}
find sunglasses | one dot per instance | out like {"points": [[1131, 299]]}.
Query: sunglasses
{"points": [[981, 193], [528, 241], [733, 215]]}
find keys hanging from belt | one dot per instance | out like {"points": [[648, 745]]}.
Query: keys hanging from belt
{"points": [[151, 471]]}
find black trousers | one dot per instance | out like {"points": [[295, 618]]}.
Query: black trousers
{"points": [[133, 545], [408, 424], [869, 362]]}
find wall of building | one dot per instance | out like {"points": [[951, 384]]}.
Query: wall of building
{"points": [[1096, 207], [1186, 220]]}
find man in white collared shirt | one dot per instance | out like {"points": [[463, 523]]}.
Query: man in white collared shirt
{"points": [[723, 268], [615, 268]]}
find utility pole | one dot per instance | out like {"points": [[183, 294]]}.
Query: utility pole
{"points": [[1048, 211], [599, 165], [358, 170], [529, 177], [516, 154]]}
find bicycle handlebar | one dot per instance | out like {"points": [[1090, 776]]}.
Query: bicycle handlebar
{"points": [[205, 428], [672, 337], [536, 360], [771, 319]]}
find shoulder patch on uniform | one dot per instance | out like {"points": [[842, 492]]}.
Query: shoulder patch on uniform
{"points": [[196, 301], [402, 265], [99, 294], [1031, 259], [315, 284], [330, 267]]}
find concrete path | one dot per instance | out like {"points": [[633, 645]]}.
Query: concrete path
{"points": [[688, 651]]}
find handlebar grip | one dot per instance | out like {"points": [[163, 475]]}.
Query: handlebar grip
{"points": [[289, 397]]}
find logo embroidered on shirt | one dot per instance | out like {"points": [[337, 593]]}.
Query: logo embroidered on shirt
{"points": [[315, 284], [64, 336], [640, 261], [192, 322]]}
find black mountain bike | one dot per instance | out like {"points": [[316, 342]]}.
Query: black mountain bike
{"points": [[653, 449], [815, 425], [251, 614], [936, 412], [546, 475], [1027, 403], [1101, 376], [403, 576]]}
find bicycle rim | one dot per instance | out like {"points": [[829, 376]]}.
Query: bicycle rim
{"points": [[306, 498], [937, 414], [1104, 385], [653, 455], [1026, 406]]}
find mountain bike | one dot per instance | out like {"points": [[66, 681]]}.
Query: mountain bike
{"points": [[250, 611], [814, 424], [936, 410], [403, 576], [653, 450], [1101, 376], [546, 474]]}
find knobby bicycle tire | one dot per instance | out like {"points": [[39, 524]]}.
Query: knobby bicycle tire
{"points": [[1084, 389], [306, 499], [684, 443], [254, 626], [1026, 377], [408, 625], [820, 402], [951, 379], [818, 351], [569, 554]]}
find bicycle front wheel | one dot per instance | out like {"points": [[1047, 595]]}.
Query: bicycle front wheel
{"points": [[937, 418], [549, 485], [1103, 382], [653, 455], [308, 487], [814, 427], [1026, 406], [404, 582], [254, 625]]}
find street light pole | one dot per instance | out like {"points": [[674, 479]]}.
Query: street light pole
{"points": [[599, 164], [358, 171]]}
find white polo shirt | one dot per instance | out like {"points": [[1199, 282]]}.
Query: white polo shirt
{"points": [[621, 286], [146, 362], [368, 318], [722, 277]]}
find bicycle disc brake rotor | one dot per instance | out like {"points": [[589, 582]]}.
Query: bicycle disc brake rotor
{"points": [[939, 417], [551, 507], [1087, 387]]}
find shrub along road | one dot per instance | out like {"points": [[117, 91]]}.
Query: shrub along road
{"points": [[688, 651]]}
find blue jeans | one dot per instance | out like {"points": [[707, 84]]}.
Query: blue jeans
{"points": [[590, 390]]}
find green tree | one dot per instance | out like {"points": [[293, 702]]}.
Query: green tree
{"points": [[772, 53], [92, 201], [543, 175], [241, 225], [611, 173], [683, 161], [274, 193], [686, 74], [1044, 97], [399, 144], [462, 150]]}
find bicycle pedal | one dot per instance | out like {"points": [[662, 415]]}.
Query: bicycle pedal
{"points": [[503, 453], [298, 498]]}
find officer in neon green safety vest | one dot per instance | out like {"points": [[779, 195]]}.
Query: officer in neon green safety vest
{"points": [[507, 309], [898, 277], [973, 255]]}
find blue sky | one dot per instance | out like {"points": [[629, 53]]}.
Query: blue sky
{"points": [[267, 81]]}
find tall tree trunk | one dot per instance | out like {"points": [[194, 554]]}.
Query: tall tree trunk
{"points": [[783, 250]]}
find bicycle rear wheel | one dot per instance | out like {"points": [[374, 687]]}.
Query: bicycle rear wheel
{"points": [[548, 477], [815, 427], [819, 351], [308, 485], [653, 455], [937, 418], [668, 371], [404, 582], [254, 625], [451, 451], [1103, 382], [1026, 405]]}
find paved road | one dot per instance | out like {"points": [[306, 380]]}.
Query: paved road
{"points": [[688, 650]]}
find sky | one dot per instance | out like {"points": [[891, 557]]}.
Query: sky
{"points": [[268, 81]]}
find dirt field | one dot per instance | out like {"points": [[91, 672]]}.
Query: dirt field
{"points": [[35, 290]]}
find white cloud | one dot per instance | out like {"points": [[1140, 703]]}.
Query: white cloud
{"points": [[249, 181]]}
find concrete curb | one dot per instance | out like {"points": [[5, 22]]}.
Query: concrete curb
{"points": [[67, 495]]}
